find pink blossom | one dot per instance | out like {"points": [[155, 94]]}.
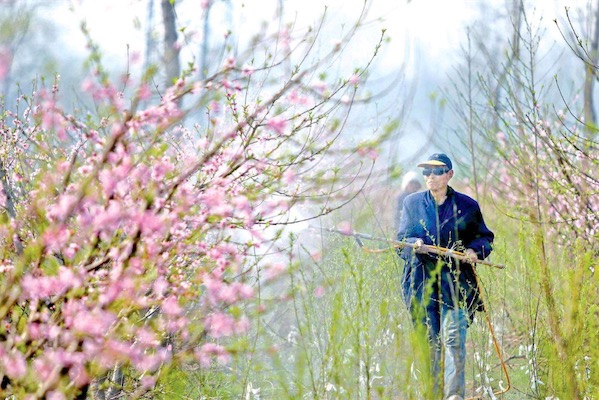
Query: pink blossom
{"points": [[354, 79], [148, 382], [68, 279], [366, 151], [178, 326], [150, 223], [88, 85], [244, 292], [196, 87], [319, 292], [112, 351], [6, 265], [277, 124], [215, 106], [55, 395], [216, 202], [248, 70], [150, 362], [15, 365], [110, 293], [92, 322], [209, 350], [143, 92], [275, 270], [170, 306], [161, 169], [71, 250], [160, 286], [229, 294], [56, 237], [345, 228], [59, 210], [43, 368], [242, 204], [320, 85], [214, 286], [85, 169], [145, 220], [64, 166], [296, 98], [135, 56], [136, 265], [52, 119], [109, 218], [203, 358], [146, 337], [53, 332], [3, 197], [242, 325], [288, 176], [226, 294], [108, 181], [35, 330], [78, 375], [91, 347], [229, 63], [219, 325], [40, 287], [5, 61]]}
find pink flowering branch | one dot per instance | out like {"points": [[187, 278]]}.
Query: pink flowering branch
{"points": [[129, 231]]}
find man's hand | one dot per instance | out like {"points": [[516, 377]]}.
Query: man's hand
{"points": [[418, 244], [471, 256]]}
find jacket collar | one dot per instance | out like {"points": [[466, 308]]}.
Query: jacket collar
{"points": [[430, 201]]}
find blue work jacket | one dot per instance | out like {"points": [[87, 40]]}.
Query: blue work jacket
{"points": [[457, 224]]}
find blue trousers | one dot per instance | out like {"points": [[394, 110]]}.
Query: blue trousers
{"points": [[446, 329]]}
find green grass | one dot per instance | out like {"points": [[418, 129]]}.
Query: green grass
{"points": [[354, 339]]}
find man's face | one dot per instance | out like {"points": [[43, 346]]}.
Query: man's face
{"points": [[436, 182]]}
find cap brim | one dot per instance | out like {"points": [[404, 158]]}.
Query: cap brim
{"points": [[432, 163]]}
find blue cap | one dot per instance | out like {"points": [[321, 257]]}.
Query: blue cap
{"points": [[437, 160]]}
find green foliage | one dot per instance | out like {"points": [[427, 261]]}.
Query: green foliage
{"points": [[342, 345], [193, 383], [343, 332], [551, 349]]}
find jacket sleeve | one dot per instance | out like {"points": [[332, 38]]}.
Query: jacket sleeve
{"points": [[482, 237], [410, 230], [406, 231]]}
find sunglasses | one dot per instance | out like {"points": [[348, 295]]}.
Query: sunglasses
{"points": [[436, 171]]}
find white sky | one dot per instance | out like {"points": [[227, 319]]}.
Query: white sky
{"points": [[430, 30], [437, 24], [434, 27]]}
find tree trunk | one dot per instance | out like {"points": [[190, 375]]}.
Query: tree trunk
{"points": [[590, 116], [171, 49], [150, 43], [205, 40]]}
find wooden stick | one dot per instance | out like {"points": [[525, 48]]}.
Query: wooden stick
{"points": [[424, 249]]}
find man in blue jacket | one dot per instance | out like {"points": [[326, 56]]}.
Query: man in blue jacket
{"points": [[441, 292]]}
